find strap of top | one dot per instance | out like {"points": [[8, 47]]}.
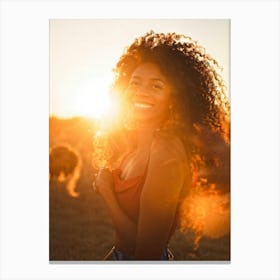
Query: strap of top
{"points": [[125, 157]]}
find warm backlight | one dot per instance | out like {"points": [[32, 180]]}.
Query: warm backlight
{"points": [[93, 100], [83, 98]]}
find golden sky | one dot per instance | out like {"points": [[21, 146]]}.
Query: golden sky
{"points": [[83, 53]]}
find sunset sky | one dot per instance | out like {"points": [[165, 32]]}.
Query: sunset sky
{"points": [[83, 53]]}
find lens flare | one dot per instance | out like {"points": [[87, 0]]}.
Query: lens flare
{"points": [[206, 212]]}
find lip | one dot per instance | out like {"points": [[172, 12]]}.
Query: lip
{"points": [[142, 105]]}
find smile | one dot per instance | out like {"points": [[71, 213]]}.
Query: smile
{"points": [[142, 105]]}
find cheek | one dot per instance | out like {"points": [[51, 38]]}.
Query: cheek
{"points": [[128, 96], [128, 93], [164, 108], [164, 104]]}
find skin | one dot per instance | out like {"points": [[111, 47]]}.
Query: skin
{"points": [[166, 173], [147, 86]]}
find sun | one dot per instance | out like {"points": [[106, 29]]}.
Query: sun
{"points": [[93, 98], [85, 97]]}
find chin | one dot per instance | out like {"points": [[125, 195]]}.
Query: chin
{"points": [[148, 116], [148, 120]]}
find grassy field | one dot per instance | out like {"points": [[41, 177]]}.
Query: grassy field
{"points": [[80, 228]]}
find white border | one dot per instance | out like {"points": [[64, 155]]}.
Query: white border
{"points": [[255, 138]]}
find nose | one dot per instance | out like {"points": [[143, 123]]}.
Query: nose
{"points": [[142, 90]]}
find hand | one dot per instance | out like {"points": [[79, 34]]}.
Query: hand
{"points": [[104, 183]]}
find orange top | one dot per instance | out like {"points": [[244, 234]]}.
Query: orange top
{"points": [[128, 194]]}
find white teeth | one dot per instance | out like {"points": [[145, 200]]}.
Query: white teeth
{"points": [[142, 105]]}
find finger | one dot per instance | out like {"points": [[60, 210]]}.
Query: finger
{"points": [[104, 168], [95, 189]]}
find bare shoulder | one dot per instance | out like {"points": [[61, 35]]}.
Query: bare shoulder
{"points": [[168, 148], [167, 171]]}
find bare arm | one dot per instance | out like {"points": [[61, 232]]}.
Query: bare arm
{"points": [[122, 223], [159, 199], [158, 203]]}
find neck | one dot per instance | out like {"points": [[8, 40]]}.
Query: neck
{"points": [[145, 134]]}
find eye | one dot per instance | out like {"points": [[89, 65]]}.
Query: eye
{"points": [[134, 83], [157, 86]]}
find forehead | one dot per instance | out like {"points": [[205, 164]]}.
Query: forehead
{"points": [[149, 70]]}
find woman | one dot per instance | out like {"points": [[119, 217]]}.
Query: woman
{"points": [[173, 102]]}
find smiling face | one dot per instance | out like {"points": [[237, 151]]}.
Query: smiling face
{"points": [[149, 93]]}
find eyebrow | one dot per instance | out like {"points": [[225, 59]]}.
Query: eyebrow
{"points": [[153, 79]]}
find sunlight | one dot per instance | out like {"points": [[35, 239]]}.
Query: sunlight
{"points": [[207, 212], [93, 99]]}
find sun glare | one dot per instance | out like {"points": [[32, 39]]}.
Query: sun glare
{"points": [[93, 99]]}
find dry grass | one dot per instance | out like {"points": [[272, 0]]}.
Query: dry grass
{"points": [[80, 227]]}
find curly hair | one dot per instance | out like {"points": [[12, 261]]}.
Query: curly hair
{"points": [[199, 93], [200, 106], [200, 114]]}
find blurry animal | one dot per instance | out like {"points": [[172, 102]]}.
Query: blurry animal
{"points": [[65, 167]]}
